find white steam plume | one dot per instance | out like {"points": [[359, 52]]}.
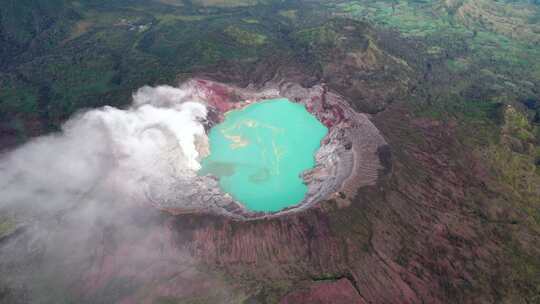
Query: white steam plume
{"points": [[108, 150], [78, 201]]}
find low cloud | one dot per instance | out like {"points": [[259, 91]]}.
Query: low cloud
{"points": [[68, 190], [108, 149]]}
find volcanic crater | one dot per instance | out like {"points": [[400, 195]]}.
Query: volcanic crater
{"points": [[349, 156]]}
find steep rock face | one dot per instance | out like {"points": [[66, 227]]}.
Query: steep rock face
{"points": [[303, 246]]}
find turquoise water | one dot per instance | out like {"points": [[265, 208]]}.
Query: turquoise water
{"points": [[259, 152]]}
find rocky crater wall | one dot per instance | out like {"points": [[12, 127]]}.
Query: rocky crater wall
{"points": [[347, 160]]}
